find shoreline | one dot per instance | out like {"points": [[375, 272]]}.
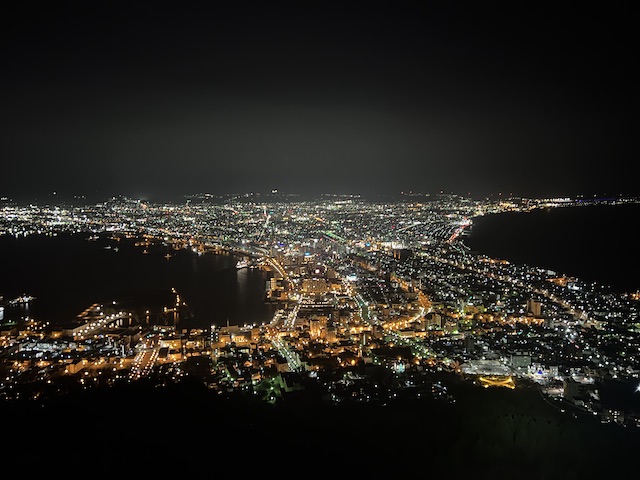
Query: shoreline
{"points": [[155, 270], [560, 244]]}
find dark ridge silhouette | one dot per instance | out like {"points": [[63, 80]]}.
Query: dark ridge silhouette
{"points": [[486, 433]]}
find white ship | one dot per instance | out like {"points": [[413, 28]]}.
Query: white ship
{"points": [[243, 263]]}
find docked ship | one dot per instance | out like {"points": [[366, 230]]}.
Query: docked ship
{"points": [[243, 263]]}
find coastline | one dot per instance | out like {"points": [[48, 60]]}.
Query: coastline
{"points": [[67, 273], [584, 241]]}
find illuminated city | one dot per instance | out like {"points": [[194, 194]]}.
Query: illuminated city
{"points": [[319, 238], [357, 285]]}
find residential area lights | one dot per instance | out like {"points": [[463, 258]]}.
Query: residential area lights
{"points": [[355, 282]]}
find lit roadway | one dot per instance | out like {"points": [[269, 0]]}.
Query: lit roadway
{"points": [[285, 351], [143, 363], [287, 322], [290, 320], [364, 309], [417, 346], [277, 267]]}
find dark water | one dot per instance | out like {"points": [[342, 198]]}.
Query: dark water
{"points": [[596, 243], [67, 274]]}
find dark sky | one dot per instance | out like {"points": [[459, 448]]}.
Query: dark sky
{"points": [[158, 99]]}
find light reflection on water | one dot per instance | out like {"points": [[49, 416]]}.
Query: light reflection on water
{"points": [[67, 274]]}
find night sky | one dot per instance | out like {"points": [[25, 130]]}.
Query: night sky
{"points": [[161, 99]]}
